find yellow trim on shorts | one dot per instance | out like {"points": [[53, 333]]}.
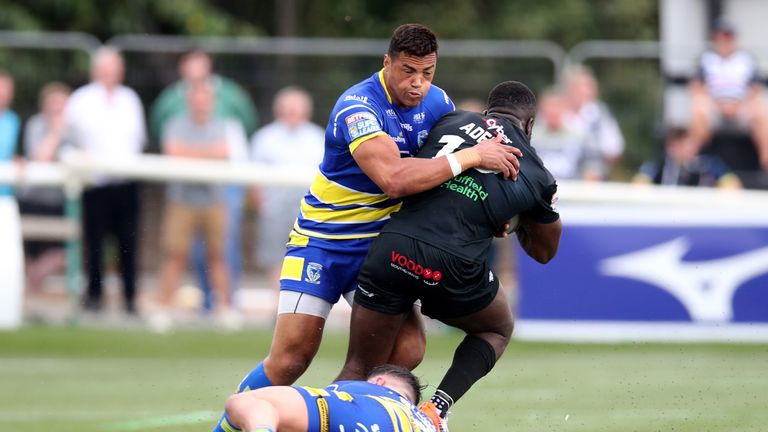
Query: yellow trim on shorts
{"points": [[330, 192], [356, 143], [292, 268]]}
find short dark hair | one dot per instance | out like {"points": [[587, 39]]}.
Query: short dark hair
{"points": [[412, 39], [515, 98], [402, 373]]}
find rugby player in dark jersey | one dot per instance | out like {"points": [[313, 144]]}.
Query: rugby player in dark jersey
{"points": [[434, 249]]}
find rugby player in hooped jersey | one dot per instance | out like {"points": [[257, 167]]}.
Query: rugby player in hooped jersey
{"points": [[373, 130], [435, 249]]}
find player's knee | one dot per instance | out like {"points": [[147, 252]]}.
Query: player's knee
{"points": [[289, 364], [410, 349], [235, 405]]}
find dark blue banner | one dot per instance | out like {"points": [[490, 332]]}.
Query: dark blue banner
{"points": [[650, 273]]}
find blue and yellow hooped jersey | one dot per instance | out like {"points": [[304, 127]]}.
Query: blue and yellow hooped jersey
{"points": [[343, 203], [362, 406]]}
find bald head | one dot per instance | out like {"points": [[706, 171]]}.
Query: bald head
{"points": [[292, 106], [107, 67]]}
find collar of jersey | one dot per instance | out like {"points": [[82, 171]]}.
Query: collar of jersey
{"points": [[384, 85]]}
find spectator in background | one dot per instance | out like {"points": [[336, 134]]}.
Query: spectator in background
{"points": [[564, 148], [291, 142], [107, 122], [9, 125], [726, 91], [595, 120], [471, 104], [682, 165], [196, 208], [10, 229], [232, 102], [45, 135]]}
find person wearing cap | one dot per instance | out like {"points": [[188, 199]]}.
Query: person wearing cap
{"points": [[726, 91]]}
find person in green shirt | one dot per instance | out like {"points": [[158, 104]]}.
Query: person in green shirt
{"points": [[234, 103]]}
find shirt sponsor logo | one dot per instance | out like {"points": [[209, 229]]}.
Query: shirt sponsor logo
{"points": [[417, 271], [363, 99], [419, 118], [314, 271], [362, 123], [398, 139], [467, 186], [391, 113], [407, 126]]}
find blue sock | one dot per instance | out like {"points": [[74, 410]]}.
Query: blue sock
{"points": [[255, 379]]}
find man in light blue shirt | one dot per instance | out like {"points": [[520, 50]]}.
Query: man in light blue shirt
{"points": [[9, 125]]}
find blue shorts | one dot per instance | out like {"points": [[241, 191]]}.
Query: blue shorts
{"points": [[323, 268], [358, 405]]}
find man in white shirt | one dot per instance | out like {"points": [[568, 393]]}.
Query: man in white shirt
{"points": [[107, 121], [727, 90], [595, 120], [292, 141]]}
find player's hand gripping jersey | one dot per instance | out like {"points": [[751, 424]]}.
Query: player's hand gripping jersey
{"points": [[462, 215], [359, 405], [342, 202]]}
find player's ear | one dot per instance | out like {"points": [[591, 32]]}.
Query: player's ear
{"points": [[529, 126], [387, 61], [379, 380]]}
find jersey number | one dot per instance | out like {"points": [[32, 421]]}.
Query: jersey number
{"points": [[452, 142]]}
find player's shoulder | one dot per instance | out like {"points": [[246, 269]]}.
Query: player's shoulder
{"points": [[438, 101], [363, 94]]}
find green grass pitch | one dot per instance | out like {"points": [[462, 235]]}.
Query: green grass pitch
{"points": [[70, 379]]}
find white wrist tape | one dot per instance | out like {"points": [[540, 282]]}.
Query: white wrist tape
{"points": [[454, 164]]}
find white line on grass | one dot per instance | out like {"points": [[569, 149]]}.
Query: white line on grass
{"points": [[162, 421]]}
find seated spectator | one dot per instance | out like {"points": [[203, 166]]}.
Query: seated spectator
{"points": [[45, 135], [196, 208], [595, 120], [563, 147], [293, 142], [682, 165], [726, 92]]}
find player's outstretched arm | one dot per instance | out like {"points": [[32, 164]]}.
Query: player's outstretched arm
{"points": [[539, 241], [380, 159]]}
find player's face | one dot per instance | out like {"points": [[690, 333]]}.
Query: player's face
{"points": [[408, 77]]}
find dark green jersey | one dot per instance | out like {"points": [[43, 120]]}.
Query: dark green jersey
{"points": [[462, 215]]}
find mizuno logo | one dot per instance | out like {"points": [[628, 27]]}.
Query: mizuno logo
{"points": [[705, 288]]}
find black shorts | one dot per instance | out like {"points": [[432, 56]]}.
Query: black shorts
{"points": [[399, 270]]}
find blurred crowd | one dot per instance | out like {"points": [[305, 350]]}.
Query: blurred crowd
{"points": [[208, 116]]}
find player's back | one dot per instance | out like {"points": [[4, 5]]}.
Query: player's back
{"points": [[356, 404], [462, 215]]}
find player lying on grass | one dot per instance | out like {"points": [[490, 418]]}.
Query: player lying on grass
{"points": [[435, 249], [385, 402]]}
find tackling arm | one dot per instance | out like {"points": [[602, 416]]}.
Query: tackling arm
{"points": [[379, 158]]}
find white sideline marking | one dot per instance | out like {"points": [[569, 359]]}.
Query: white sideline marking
{"points": [[161, 421]]}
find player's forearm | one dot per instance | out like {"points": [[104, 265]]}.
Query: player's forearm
{"points": [[413, 175], [540, 241]]}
